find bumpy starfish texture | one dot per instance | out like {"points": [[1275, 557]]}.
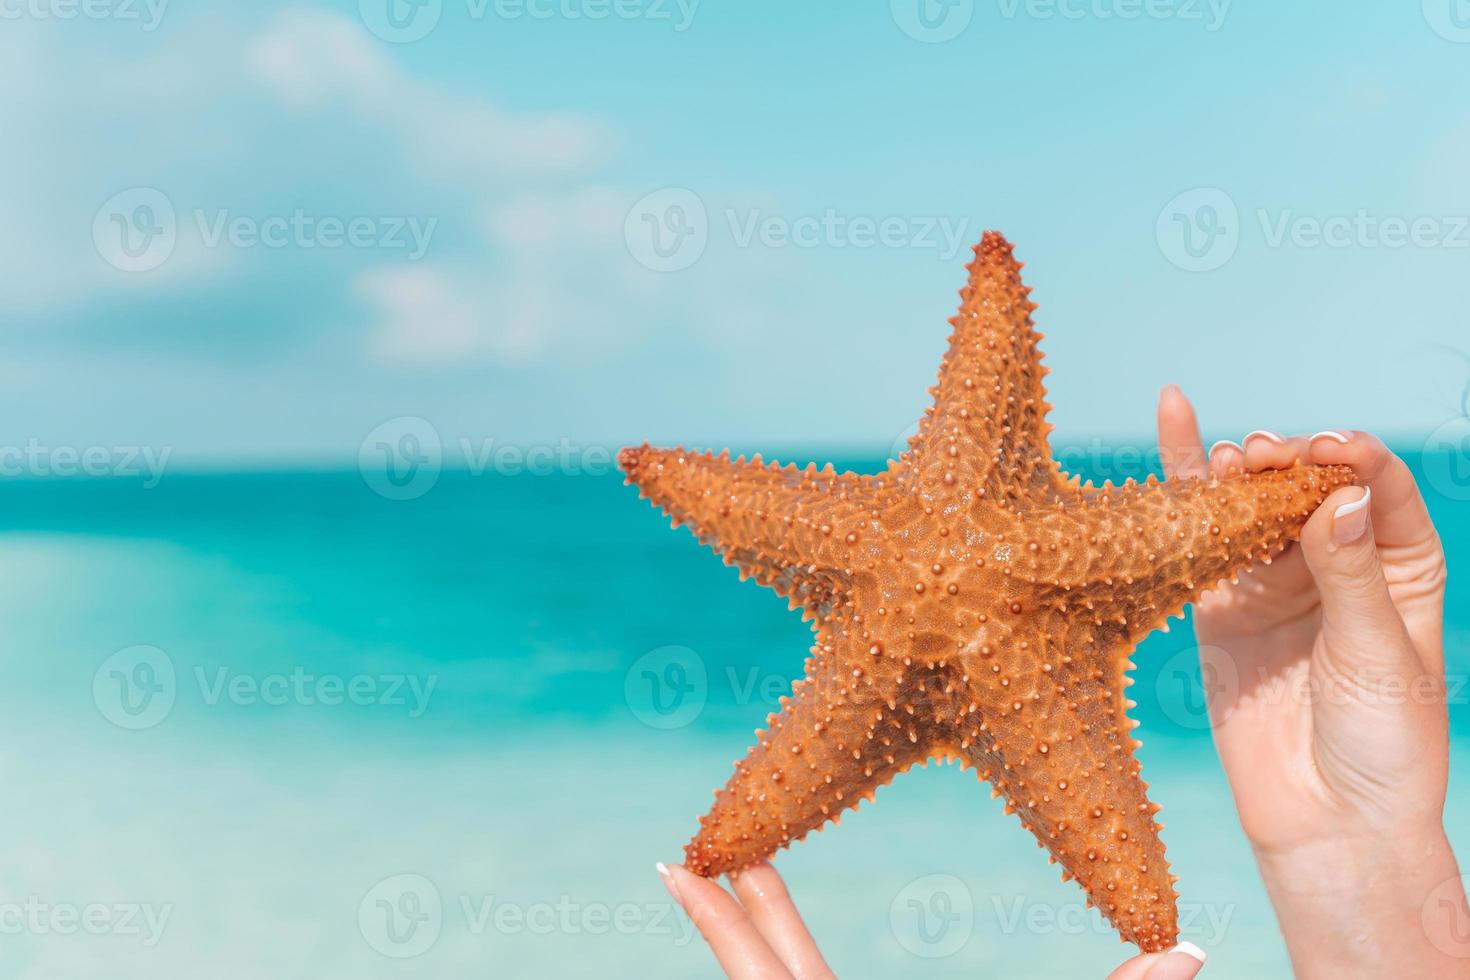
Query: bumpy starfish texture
{"points": [[973, 603]]}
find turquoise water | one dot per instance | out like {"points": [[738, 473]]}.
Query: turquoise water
{"points": [[275, 725]]}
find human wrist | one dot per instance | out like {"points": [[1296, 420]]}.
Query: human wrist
{"points": [[1369, 905]]}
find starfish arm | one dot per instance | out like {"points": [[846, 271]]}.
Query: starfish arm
{"points": [[1132, 556], [791, 530], [1047, 725], [840, 735], [987, 428]]}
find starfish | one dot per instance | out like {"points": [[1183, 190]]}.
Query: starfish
{"points": [[973, 603]]}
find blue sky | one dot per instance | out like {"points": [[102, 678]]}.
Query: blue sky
{"points": [[500, 170]]}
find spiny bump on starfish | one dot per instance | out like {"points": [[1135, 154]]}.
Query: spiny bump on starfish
{"points": [[973, 603]]}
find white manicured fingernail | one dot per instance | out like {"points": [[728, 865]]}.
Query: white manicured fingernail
{"points": [[1350, 520], [668, 880], [1223, 443], [1263, 434], [1190, 949], [1332, 434]]}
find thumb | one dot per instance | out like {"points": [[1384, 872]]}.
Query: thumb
{"points": [[1360, 623]]}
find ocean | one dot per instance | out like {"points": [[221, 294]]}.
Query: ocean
{"points": [[275, 724]]}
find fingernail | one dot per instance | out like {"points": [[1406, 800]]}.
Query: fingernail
{"points": [[1263, 434], [1180, 963], [668, 880], [1170, 389], [1190, 949], [1350, 520], [1332, 434], [1226, 442]]}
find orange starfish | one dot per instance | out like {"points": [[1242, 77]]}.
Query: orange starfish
{"points": [[973, 603]]}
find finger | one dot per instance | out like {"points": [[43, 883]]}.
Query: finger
{"points": [[1136, 968], [732, 937], [1266, 450], [1399, 514], [1359, 619], [1226, 456], [1180, 447], [1180, 963], [769, 906]]}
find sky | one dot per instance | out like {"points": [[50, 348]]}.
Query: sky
{"points": [[259, 233]]}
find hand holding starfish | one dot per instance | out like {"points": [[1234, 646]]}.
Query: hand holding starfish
{"points": [[761, 936], [1325, 672]]}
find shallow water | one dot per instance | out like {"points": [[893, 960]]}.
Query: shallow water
{"points": [[276, 725]]}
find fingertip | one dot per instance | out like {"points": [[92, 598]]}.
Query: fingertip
{"points": [[687, 885], [1350, 519], [1318, 532], [1180, 963], [1190, 949], [1226, 456], [759, 881], [1266, 450], [1136, 968], [1180, 448]]}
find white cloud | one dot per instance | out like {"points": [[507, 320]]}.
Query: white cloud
{"points": [[160, 125], [556, 276], [320, 62]]}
